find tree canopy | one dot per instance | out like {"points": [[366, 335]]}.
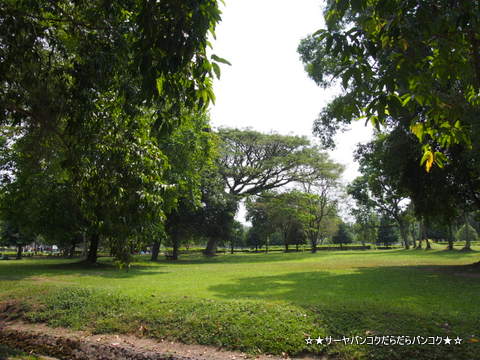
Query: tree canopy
{"points": [[94, 91], [410, 62]]}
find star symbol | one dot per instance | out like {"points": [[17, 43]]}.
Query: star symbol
{"points": [[309, 340], [458, 341], [447, 341], [319, 341]]}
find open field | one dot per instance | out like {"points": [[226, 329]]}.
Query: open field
{"points": [[264, 302]]}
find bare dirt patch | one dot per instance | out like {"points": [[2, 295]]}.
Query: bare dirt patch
{"points": [[78, 345]]}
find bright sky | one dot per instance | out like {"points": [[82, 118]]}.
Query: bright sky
{"points": [[266, 88]]}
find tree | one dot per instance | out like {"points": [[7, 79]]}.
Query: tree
{"points": [[343, 235], [387, 234], [96, 83], [320, 183], [251, 163], [379, 187], [190, 150], [417, 62], [254, 238], [366, 223], [237, 236], [11, 235], [413, 68]]}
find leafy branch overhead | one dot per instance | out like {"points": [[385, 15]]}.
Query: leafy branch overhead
{"points": [[409, 62]]}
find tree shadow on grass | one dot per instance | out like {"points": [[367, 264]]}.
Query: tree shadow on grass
{"points": [[408, 300], [382, 287], [65, 267], [413, 301]]}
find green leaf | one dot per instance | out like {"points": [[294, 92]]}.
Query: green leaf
{"points": [[160, 83], [216, 69], [221, 60]]}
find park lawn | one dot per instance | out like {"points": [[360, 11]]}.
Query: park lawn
{"points": [[265, 302]]}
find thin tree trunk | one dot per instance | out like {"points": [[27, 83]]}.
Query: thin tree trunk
{"points": [[450, 238], [19, 251], [285, 241], [313, 240], [404, 234], [468, 245], [93, 250], [71, 252], [412, 234], [155, 250]]}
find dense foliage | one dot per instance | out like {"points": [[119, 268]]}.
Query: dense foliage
{"points": [[91, 93]]}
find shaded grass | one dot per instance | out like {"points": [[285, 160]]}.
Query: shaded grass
{"points": [[11, 354], [265, 302]]}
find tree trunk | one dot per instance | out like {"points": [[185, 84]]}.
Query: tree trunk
{"points": [[176, 246], [232, 247], [404, 234], [428, 247], [211, 248], [93, 250], [450, 238], [155, 250], [314, 245], [285, 240], [412, 234], [71, 252], [468, 245], [19, 251], [421, 235]]}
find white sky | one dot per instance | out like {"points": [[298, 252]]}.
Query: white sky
{"points": [[266, 88]]}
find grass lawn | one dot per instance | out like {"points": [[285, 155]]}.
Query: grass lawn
{"points": [[266, 302]]}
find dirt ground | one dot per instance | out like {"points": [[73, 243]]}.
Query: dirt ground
{"points": [[76, 345]]}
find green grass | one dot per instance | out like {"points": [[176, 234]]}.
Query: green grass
{"points": [[265, 302]]}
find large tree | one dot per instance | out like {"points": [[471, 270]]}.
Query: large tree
{"points": [[101, 82], [343, 235], [281, 212], [396, 59], [413, 68], [379, 187], [251, 162], [320, 182]]}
